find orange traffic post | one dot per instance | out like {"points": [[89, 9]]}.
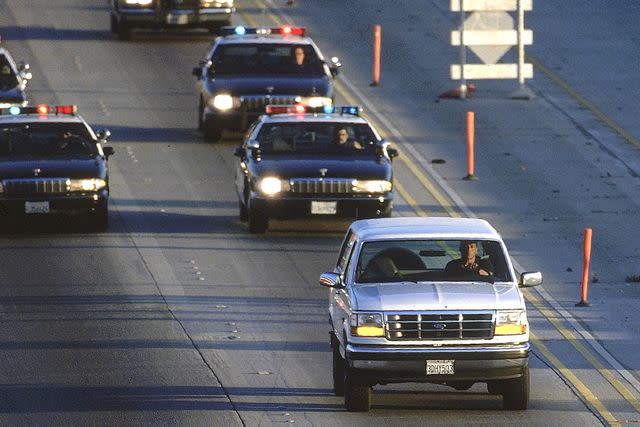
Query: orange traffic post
{"points": [[470, 142], [586, 260], [377, 45]]}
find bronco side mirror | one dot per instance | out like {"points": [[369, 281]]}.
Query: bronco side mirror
{"points": [[331, 280], [530, 278]]}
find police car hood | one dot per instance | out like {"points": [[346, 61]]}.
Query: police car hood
{"points": [[256, 85], [58, 168], [365, 166], [421, 296]]}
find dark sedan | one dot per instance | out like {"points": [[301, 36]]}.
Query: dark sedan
{"points": [[52, 163], [292, 165]]}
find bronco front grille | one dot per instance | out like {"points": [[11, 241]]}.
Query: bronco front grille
{"points": [[35, 185], [439, 326], [321, 185], [257, 103]]}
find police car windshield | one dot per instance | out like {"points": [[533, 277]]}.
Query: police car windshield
{"points": [[8, 78], [316, 138], [45, 140], [265, 59], [432, 261]]}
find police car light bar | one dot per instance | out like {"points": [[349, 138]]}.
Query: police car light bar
{"points": [[41, 109], [284, 30], [285, 109]]}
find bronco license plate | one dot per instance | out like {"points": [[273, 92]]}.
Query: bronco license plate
{"points": [[36, 207], [440, 367], [177, 19], [324, 208]]}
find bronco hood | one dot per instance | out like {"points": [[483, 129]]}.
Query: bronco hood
{"points": [[424, 296]]}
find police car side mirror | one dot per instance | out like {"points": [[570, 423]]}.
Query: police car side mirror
{"points": [[108, 151], [392, 152], [197, 71], [239, 152], [103, 135], [335, 65]]}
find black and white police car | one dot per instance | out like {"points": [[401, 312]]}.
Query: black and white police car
{"points": [[247, 69], [52, 163], [293, 164]]}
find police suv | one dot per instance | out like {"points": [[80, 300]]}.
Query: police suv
{"points": [[432, 300], [249, 68], [52, 163]]}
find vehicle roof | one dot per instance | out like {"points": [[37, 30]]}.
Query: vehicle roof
{"points": [[311, 118], [265, 39], [37, 118], [424, 227]]}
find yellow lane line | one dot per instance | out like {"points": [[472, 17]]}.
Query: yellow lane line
{"points": [[571, 338], [585, 103], [573, 379], [409, 199]]}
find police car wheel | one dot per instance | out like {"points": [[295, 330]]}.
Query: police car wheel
{"points": [[258, 222], [124, 31], [114, 24], [244, 215], [200, 115], [211, 134], [99, 220]]}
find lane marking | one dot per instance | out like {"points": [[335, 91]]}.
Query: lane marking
{"points": [[575, 381], [571, 338], [409, 199], [585, 103]]}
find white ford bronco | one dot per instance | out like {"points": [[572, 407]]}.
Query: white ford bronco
{"points": [[432, 300]]}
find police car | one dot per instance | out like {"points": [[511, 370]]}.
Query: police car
{"points": [[249, 68], [293, 164], [13, 80], [129, 14], [52, 162]]}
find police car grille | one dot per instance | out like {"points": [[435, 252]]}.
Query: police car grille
{"points": [[321, 185], [182, 4], [439, 326], [257, 103], [35, 186]]}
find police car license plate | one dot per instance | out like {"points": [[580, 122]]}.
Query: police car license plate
{"points": [[440, 367], [324, 208], [177, 19], [36, 207]]}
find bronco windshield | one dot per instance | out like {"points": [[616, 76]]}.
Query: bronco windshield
{"points": [[432, 261], [45, 140], [266, 59], [317, 138]]}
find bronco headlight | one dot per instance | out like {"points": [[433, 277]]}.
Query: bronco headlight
{"points": [[272, 185], [375, 186], [223, 102], [511, 322], [138, 2], [366, 324], [91, 184]]}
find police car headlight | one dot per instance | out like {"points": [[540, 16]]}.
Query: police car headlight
{"points": [[138, 2], [271, 185], [223, 102], [318, 101], [374, 186], [511, 322], [91, 184]]}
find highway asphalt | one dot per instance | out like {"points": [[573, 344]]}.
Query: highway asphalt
{"points": [[178, 316]]}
